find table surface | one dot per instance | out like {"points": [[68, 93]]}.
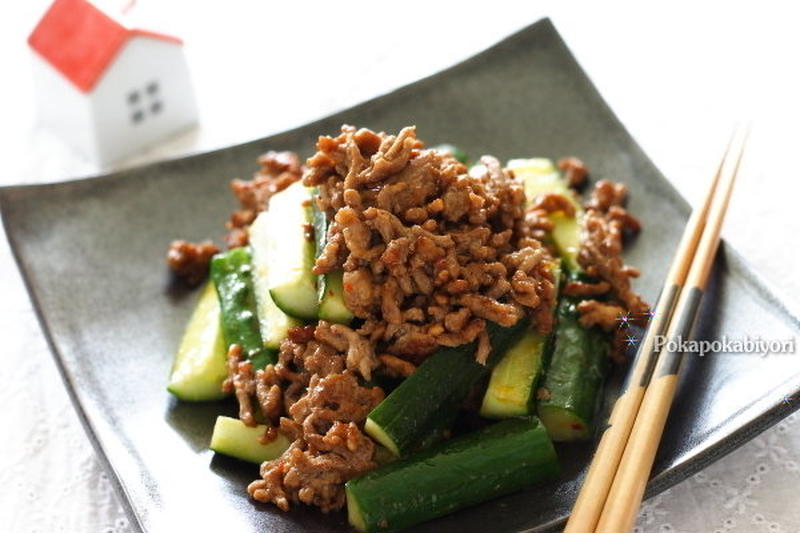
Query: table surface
{"points": [[677, 75]]}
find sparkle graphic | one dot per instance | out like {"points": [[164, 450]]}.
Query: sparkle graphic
{"points": [[650, 314], [624, 320], [630, 340]]}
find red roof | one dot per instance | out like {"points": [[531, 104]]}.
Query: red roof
{"points": [[80, 41]]}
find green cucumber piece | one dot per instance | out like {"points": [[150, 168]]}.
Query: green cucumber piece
{"points": [[567, 238], [232, 274], [540, 176], [200, 364], [292, 285], [232, 437], [513, 382], [331, 298], [273, 323], [574, 378], [497, 460], [330, 291], [406, 416], [441, 430]]}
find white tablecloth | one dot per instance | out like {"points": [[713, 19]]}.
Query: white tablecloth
{"points": [[677, 75]]}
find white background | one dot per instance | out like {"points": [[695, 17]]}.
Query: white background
{"points": [[677, 74]]}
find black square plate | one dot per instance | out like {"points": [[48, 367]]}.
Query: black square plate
{"points": [[92, 254]]}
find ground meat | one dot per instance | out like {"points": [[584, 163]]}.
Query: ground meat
{"points": [[596, 313], [335, 397], [305, 475], [329, 447], [241, 381], [311, 397], [600, 255], [574, 171], [396, 367], [189, 260], [582, 288], [552, 203], [604, 228], [426, 249]]}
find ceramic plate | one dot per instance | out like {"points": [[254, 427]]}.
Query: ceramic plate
{"points": [[92, 255]]}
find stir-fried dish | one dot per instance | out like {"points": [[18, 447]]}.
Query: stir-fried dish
{"points": [[390, 320]]}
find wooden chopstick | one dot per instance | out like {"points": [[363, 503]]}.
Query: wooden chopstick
{"points": [[586, 511], [625, 496]]}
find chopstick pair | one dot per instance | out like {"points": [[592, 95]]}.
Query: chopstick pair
{"points": [[612, 492]]}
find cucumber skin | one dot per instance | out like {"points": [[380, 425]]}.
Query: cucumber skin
{"points": [[575, 377], [498, 460], [232, 274], [411, 411], [330, 293]]}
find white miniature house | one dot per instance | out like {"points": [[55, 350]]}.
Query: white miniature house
{"points": [[108, 90]]}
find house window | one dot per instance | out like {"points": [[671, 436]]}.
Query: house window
{"points": [[154, 97], [140, 102], [137, 116]]}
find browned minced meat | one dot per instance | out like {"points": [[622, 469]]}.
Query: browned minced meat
{"points": [[241, 381], [552, 203], [574, 171], [313, 399], [583, 288], [278, 171], [330, 447], [316, 475], [190, 260], [429, 252], [395, 366], [605, 225]]}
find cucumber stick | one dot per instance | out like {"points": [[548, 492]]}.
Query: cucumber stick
{"points": [[273, 323], [232, 437], [232, 274], [330, 291], [512, 385], [410, 412], [540, 176], [200, 363], [574, 378], [500, 459], [292, 285], [513, 381], [331, 298]]}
